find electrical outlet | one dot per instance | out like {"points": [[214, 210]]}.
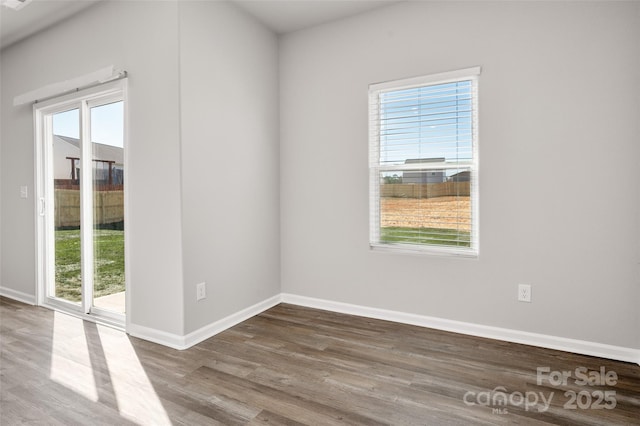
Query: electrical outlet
{"points": [[524, 293], [24, 192], [201, 291]]}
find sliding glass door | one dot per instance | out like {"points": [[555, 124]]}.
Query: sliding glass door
{"points": [[81, 185]]}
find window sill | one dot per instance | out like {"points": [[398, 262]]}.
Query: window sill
{"points": [[450, 252]]}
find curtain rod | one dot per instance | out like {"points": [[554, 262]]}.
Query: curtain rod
{"points": [[118, 76], [101, 76]]}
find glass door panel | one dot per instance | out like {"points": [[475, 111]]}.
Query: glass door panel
{"points": [[64, 180], [107, 150]]}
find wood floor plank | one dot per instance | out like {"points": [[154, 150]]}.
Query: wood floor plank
{"points": [[292, 366]]}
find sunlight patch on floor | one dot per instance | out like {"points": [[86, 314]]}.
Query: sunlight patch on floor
{"points": [[137, 399], [70, 361], [100, 364]]}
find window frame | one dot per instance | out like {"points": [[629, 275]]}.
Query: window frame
{"points": [[375, 167]]}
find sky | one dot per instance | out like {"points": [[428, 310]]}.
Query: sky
{"points": [[426, 122], [107, 124]]}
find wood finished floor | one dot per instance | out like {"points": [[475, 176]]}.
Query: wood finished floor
{"points": [[287, 366]]}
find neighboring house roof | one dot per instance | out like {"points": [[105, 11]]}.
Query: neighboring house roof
{"points": [[424, 160], [101, 152], [461, 177]]}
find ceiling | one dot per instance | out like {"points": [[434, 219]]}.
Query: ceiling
{"points": [[35, 17], [281, 16], [284, 16]]}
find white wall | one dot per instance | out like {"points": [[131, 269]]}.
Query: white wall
{"points": [[230, 176], [142, 38], [559, 158]]}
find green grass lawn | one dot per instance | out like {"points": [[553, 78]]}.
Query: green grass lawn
{"points": [[109, 263], [451, 237]]}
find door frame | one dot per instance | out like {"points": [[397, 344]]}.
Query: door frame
{"points": [[44, 212]]}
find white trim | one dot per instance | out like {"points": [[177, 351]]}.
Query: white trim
{"points": [[176, 341], [442, 77], [10, 293], [160, 337], [475, 175], [443, 251], [39, 205], [426, 166], [67, 308], [223, 324], [534, 339], [86, 208], [127, 209]]}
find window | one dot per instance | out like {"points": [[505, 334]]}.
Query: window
{"points": [[423, 163]]}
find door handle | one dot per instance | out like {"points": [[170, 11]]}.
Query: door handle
{"points": [[42, 206]]}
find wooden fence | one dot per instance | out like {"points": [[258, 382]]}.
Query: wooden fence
{"points": [[108, 207], [425, 190], [75, 185]]}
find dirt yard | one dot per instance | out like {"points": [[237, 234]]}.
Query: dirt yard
{"points": [[440, 212]]}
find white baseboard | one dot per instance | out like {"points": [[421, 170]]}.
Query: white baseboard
{"points": [[179, 342], [29, 299], [160, 337], [221, 325], [182, 342], [534, 339]]}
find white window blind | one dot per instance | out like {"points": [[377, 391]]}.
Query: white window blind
{"points": [[423, 163]]}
